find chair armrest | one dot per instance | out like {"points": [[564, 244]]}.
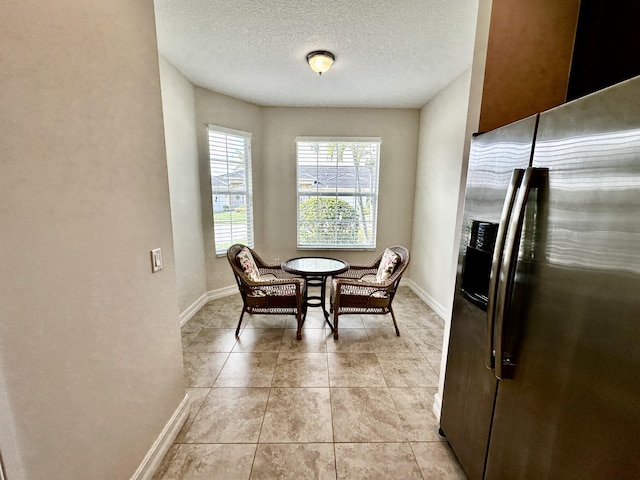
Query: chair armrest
{"points": [[260, 263], [265, 268], [358, 271], [370, 266], [276, 271], [276, 285], [354, 294], [356, 287]]}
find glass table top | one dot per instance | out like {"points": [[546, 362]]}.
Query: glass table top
{"points": [[315, 266]]}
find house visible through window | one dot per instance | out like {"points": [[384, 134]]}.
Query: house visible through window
{"points": [[230, 162], [337, 192]]}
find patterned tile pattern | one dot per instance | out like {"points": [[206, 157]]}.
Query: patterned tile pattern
{"points": [[266, 406]]}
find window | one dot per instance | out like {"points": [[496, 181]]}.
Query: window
{"points": [[337, 192], [230, 163]]}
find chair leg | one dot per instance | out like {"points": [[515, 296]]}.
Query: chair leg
{"points": [[335, 324], [300, 321], [394, 321], [240, 322]]}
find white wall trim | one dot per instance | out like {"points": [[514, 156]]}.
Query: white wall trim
{"points": [[428, 299], [159, 449], [192, 309], [226, 291], [221, 292], [441, 311], [437, 405]]}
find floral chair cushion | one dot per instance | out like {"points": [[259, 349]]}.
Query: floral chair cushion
{"points": [[248, 264], [387, 266]]}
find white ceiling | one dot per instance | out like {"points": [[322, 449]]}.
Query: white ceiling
{"points": [[389, 53]]}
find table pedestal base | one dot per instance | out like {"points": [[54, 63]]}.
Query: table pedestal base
{"points": [[315, 270], [317, 300]]}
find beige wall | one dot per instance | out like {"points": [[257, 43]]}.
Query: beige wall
{"points": [[90, 353], [469, 85], [438, 193], [398, 129], [217, 109], [274, 131], [178, 106]]}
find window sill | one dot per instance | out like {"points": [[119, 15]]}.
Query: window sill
{"points": [[345, 249]]}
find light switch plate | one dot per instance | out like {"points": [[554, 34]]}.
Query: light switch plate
{"points": [[156, 260]]}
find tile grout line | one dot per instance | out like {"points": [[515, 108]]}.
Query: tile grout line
{"points": [[326, 351]]}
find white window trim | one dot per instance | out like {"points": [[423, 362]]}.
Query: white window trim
{"points": [[247, 192]]}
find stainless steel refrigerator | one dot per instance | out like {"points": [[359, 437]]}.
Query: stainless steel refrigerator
{"points": [[543, 368]]}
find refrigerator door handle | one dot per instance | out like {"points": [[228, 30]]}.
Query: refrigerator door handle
{"points": [[510, 197], [508, 263]]}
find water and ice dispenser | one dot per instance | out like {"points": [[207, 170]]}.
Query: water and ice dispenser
{"points": [[476, 268]]}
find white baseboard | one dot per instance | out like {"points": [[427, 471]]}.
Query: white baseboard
{"points": [[226, 291], [428, 299], [160, 447], [222, 292], [192, 309], [437, 405]]}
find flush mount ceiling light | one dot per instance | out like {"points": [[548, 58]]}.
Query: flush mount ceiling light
{"points": [[320, 61]]}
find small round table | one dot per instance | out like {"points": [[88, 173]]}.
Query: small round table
{"points": [[315, 271]]}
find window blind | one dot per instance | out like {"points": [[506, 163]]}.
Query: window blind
{"points": [[231, 187], [337, 192]]}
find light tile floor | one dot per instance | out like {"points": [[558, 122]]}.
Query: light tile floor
{"points": [[266, 406]]}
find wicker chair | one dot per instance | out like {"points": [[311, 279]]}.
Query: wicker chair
{"points": [[275, 293], [357, 291]]}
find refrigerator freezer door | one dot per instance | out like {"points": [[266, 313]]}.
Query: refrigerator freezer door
{"points": [[572, 406], [470, 387]]}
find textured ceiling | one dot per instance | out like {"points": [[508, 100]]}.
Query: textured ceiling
{"points": [[389, 53]]}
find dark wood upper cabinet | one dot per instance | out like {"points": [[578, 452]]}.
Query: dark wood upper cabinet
{"points": [[542, 53], [528, 59]]}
